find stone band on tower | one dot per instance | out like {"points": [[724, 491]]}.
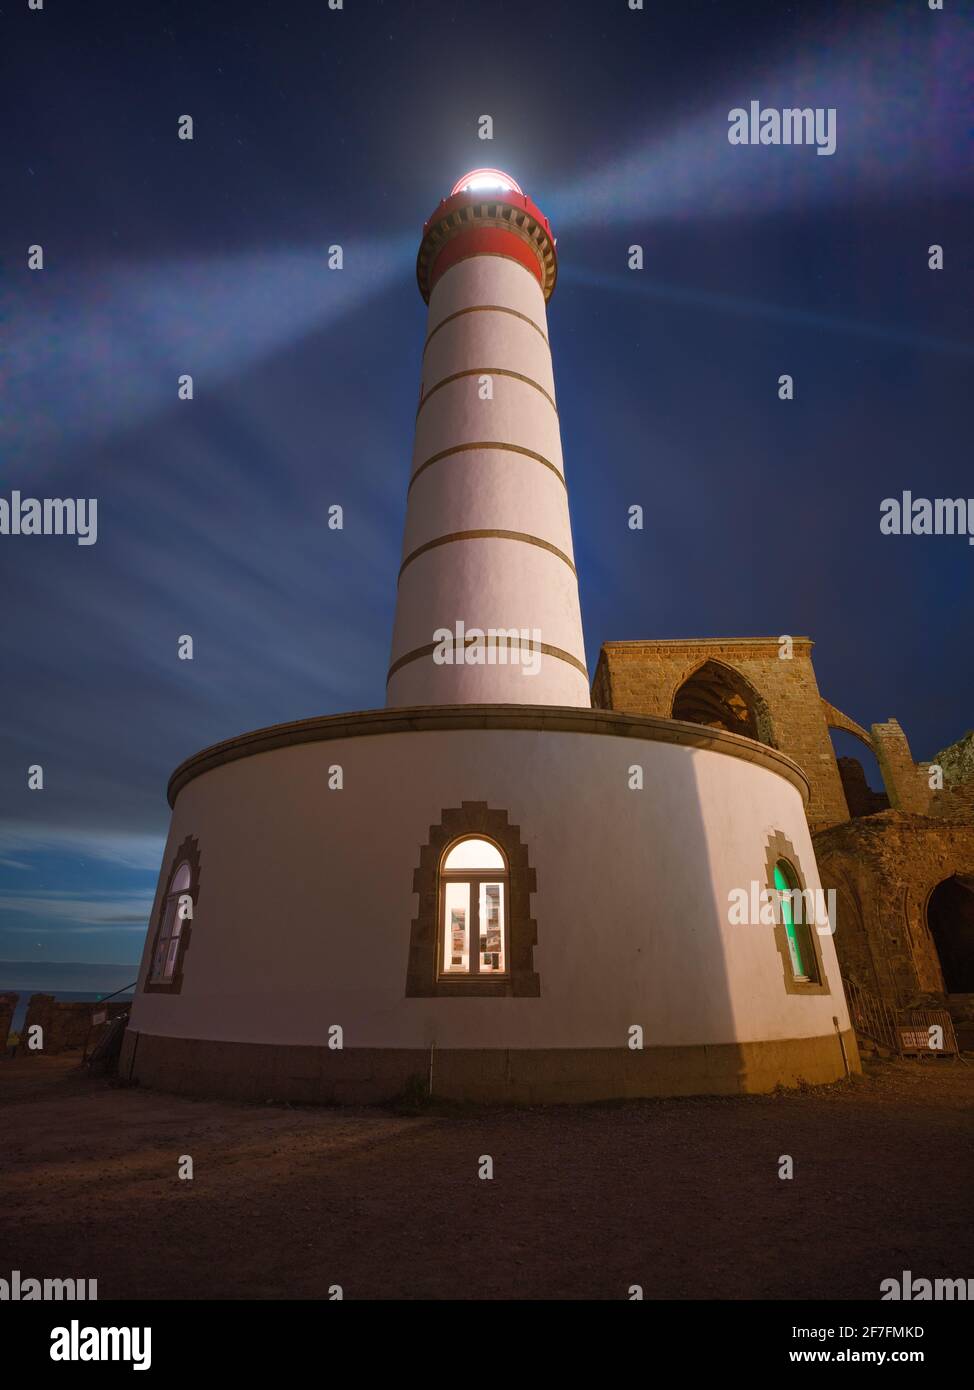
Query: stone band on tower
{"points": [[487, 546]]}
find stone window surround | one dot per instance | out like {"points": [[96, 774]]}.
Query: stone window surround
{"points": [[780, 847], [423, 980], [187, 853]]}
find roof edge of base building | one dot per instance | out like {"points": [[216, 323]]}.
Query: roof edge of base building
{"points": [[496, 718]]}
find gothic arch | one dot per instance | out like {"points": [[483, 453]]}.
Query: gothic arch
{"points": [[718, 696], [950, 919]]}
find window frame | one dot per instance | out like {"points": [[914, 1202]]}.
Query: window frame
{"points": [[778, 850], [797, 932], [476, 820], [475, 878], [166, 918]]}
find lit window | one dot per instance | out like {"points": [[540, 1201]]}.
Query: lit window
{"points": [[473, 934], [177, 910], [801, 950], [473, 910]]}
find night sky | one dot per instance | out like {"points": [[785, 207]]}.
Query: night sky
{"points": [[315, 127]]}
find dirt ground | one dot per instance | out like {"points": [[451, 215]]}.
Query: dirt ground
{"points": [[680, 1196]]}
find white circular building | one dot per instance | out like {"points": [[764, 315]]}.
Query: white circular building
{"points": [[488, 889]]}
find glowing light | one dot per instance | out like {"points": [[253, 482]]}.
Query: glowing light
{"points": [[75, 350], [483, 180], [900, 134]]}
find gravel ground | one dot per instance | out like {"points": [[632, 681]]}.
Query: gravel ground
{"points": [[680, 1196]]}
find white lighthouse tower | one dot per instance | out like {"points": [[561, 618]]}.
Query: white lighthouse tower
{"points": [[488, 884], [487, 609]]}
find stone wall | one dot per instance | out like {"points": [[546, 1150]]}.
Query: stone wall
{"points": [[955, 800], [66, 1025], [957, 761], [644, 678], [953, 803], [907, 784], [859, 795], [884, 868], [8, 1003]]}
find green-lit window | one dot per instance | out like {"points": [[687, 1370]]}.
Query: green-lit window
{"points": [[801, 948]]}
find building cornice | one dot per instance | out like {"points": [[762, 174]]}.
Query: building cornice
{"points": [[651, 644], [444, 718]]}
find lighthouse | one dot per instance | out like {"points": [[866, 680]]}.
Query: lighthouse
{"points": [[487, 608], [488, 889]]}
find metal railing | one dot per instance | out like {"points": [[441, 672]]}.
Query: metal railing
{"points": [[871, 1016], [907, 1032], [106, 1021]]}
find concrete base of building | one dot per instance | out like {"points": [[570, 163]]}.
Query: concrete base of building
{"points": [[521, 1076]]}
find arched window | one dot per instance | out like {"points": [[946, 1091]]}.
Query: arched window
{"points": [[473, 883], [473, 910], [801, 948], [804, 917], [175, 921]]}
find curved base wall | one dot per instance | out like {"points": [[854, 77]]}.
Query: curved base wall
{"points": [[369, 1076], [315, 908]]}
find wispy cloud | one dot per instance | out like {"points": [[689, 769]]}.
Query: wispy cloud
{"points": [[128, 851], [712, 302], [891, 84], [212, 317], [61, 910]]}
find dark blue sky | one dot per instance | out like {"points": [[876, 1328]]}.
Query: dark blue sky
{"points": [[315, 127]]}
